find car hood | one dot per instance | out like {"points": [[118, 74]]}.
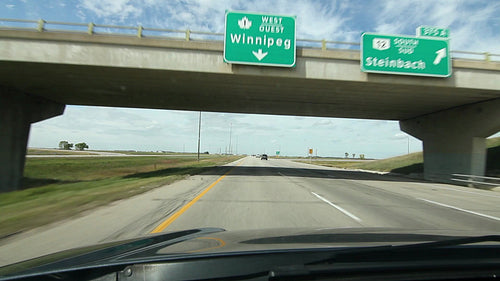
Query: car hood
{"points": [[205, 242]]}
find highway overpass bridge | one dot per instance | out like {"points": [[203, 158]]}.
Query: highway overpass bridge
{"points": [[41, 72]]}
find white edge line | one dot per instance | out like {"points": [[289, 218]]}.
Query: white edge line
{"points": [[337, 207], [460, 209]]}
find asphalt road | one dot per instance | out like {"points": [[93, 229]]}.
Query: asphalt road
{"points": [[256, 194]]}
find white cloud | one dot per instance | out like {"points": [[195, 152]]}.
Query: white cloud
{"points": [[141, 129], [470, 22], [315, 19], [114, 9]]}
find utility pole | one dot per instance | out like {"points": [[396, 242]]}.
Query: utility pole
{"points": [[199, 136], [230, 132]]}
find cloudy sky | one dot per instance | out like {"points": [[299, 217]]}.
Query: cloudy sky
{"points": [[474, 26]]}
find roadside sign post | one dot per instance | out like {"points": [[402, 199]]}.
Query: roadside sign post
{"points": [[405, 55], [259, 39]]}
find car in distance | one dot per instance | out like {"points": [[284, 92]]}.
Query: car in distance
{"points": [[263, 157]]}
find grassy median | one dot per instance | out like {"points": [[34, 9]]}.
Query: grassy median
{"points": [[58, 188]]}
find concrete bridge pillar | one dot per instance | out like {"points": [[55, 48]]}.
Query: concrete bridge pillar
{"points": [[17, 112], [455, 139]]}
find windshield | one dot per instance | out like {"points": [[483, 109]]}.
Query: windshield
{"points": [[122, 119]]}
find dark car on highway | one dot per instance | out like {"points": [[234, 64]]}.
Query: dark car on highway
{"points": [[263, 157]]}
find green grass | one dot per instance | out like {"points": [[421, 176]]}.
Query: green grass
{"points": [[493, 142], [133, 152], [58, 188], [413, 163], [405, 164], [94, 168], [128, 152], [34, 151], [54, 151]]}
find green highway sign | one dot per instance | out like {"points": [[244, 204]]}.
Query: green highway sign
{"points": [[406, 55], [259, 39], [430, 31]]}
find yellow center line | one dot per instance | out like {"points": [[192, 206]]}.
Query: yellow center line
{"points": [[177, 214]]}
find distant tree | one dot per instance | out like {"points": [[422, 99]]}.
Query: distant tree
{"points": [[62, 144], [361, 156], [346, 155], [81, 146], [353, 155], [65, 145]]}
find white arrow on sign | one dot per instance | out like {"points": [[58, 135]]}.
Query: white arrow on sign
{"points": [[259, 54], [440, 54]]}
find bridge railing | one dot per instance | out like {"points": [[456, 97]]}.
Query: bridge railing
{"points": [[187, 34], [476, 181]]}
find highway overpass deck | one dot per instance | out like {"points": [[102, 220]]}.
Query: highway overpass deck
{"points": [[126, 71]]}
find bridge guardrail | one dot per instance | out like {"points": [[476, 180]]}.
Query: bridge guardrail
{"points": [[187, 34], [479, 181]]}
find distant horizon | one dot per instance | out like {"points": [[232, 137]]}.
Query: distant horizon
{"points": [[203, 152]]}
